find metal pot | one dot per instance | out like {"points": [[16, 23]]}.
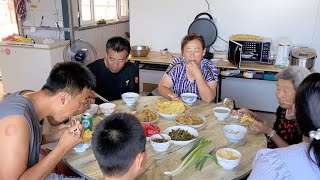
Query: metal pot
{"points": [[303, 57]]}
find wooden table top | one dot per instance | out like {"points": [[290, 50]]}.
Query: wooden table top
{"points": [[252, 66], [155, 57], [86, 165]]}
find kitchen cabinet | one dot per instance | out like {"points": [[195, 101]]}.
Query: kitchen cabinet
{"points": [[27, 66]]}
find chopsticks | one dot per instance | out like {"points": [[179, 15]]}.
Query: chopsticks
{"points": [[100, 97], [171, 96]]}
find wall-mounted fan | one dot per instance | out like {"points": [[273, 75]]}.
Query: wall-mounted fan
{"points": [[80, 51]]}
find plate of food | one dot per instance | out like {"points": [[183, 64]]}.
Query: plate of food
{"points": [[150, 129], [181, 135], [190, 119], [169, 109], [86, 142], [147, 116]]}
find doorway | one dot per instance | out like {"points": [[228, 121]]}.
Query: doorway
{"points": [[8, 24]]}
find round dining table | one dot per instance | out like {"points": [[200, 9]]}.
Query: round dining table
{"points": [[86, 165]]}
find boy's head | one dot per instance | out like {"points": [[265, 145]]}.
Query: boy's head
{"points": [[118, 144]]}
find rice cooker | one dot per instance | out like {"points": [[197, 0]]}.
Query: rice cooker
{"points": [[303, 57]]}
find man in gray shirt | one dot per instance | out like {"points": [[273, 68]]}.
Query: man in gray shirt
{"points": [[21, 114]]}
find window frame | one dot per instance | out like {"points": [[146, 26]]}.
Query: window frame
{"points": [[92, 21]]}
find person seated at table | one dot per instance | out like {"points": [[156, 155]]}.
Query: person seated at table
{"points": [[118, 144], [284, 131], [114, 74], [190, 73], [299, 161], [21, 118]]}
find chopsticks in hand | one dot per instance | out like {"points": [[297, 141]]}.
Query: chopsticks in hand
{"points": [[100, 97], [73, 121]]}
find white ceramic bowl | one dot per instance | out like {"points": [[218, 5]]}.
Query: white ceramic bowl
{"points": [[94, 107], [189, 98], [194, 126], [160, 147], [191, 130], [234, 132], [167, 116], [227, 163], [82, 147], [221, 112], [130, 98], [107, 108]]}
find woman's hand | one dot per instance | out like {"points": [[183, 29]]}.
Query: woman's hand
{"points": [[245, 111], [260, 128], [194, 69], [173, 97]]}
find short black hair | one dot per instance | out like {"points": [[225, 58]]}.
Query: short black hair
{"points": [[71, 77], [116, 142], [308, 111], [118, 44]]}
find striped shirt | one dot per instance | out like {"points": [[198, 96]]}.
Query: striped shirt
{"points": [[178, 75]]}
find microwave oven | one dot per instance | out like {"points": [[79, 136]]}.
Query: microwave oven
{"points": [[249, 51]]}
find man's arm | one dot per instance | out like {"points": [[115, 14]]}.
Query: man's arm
{"points": [[14, 150]]}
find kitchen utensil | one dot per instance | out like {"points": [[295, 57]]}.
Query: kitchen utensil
{"points": [[282, 59], [207, 29], [139, 51], [303, 57]]}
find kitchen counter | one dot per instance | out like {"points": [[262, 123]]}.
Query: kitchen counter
{"points": [[53, 45], [155, 57], [250, 66]]}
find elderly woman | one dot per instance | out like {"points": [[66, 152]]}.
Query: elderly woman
{"points": [[191, 72], [284, 131], [299, 161]]}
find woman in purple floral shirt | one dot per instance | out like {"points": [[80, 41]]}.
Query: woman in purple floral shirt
{"points": [[191, 72]]}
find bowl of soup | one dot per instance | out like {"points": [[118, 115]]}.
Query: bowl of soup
{"points": [[189, 98], [221, 112], [107, 108], [234, 132], [130, 98], [160, 143]]}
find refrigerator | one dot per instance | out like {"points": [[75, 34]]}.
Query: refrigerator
{"points": [[26, 66]]}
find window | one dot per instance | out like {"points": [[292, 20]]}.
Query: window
{"points": [[110, 10]]}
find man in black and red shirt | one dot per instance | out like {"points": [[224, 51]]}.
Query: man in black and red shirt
{"points": [[114, 74]]}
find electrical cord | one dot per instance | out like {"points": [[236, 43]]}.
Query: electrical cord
{"points": [[222, 39], [208, 5]]}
